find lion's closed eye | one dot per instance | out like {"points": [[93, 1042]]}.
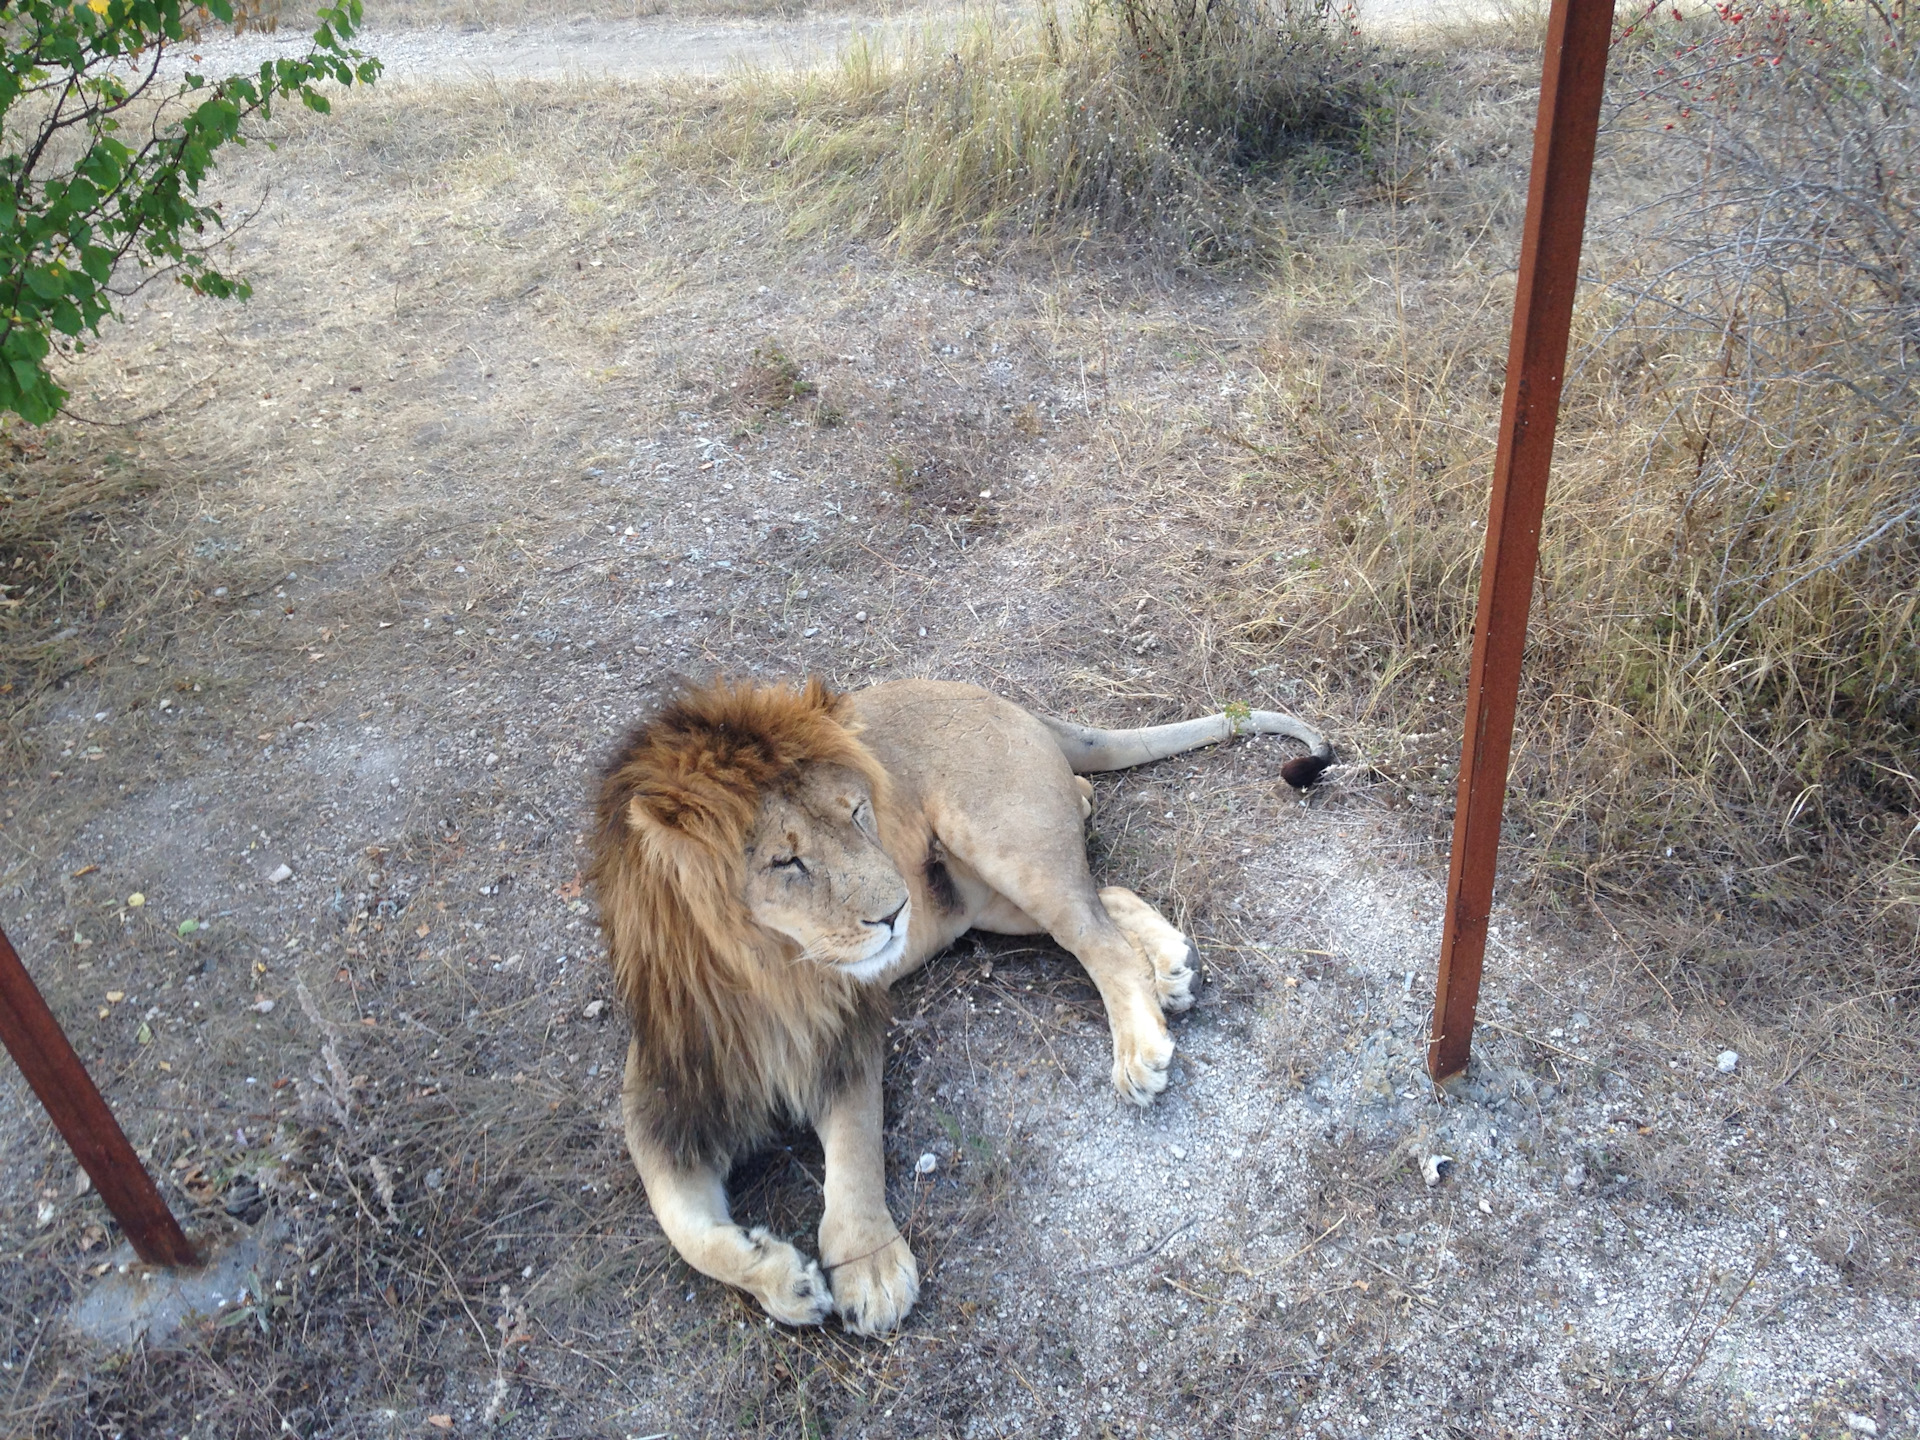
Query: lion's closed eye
{"points": [[792, 864]]}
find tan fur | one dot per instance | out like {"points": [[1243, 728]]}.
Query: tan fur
{"points": [[768, 861]]}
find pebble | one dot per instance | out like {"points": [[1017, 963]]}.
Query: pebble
{"points": [[281, 873], [861, 616], [594, 1010], [136, 900], [1728, 1062], [263, 1007], [1861, 1425], [1576, 1177], [926, 1164]]}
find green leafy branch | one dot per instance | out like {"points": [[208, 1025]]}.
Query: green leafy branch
{"points": [[101, 162]]}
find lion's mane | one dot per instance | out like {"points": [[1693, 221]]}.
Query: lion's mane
{"points": [[733, 1035]]}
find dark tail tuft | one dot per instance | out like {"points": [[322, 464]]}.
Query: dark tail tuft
{"points": [[1301, 771]]}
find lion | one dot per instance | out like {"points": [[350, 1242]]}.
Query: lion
{"points": [[769, 860]]}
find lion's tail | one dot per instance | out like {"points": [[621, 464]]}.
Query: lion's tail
{"points": [[1089, 750]]}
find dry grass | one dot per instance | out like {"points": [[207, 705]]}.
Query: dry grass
{"points": [[1720, 683]]}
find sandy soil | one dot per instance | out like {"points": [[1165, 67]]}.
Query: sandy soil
{"points": [[492, 456]]}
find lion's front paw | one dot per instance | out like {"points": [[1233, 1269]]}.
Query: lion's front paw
{"points": [[1140, 1068], [873, 1293], [787, 1284]]}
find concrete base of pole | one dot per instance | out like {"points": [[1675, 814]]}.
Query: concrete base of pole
{"points": [[132, 1301]]}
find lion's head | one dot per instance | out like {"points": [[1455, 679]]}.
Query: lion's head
{"points": [[745, 897], [758, 808]]}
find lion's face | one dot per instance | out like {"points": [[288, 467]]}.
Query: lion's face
{"points": [[816, 874]]}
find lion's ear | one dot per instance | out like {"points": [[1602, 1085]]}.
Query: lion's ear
{"points": [[679, 824], [660, 820]]}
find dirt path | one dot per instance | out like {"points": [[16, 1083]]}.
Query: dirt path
{"points": [[596, 49], [589, 49]]}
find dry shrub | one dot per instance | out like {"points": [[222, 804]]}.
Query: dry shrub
{"points": [[1722, 683], [1136, 117]]}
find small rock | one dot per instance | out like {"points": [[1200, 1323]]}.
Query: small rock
{"points": [[436, 1179], [263, 1007], [1576, 1177], [136, 900], [280, 874], [595, 1009], [1435, 1168], [1728, 1062], [926, 1164], [1861, 1425], [491, 760]]}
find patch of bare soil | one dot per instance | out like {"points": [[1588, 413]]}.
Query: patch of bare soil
{"points": [[516, 430]]}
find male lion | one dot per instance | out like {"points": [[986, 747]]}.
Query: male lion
{"points": [[769, 860]]}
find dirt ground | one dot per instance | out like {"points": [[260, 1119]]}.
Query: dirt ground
{"points": [[518, 429]]}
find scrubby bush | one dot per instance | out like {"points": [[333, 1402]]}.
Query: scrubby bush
{"points": [[1127, 117]]}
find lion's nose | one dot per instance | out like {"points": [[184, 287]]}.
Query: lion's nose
{"points": [[888, 920]]}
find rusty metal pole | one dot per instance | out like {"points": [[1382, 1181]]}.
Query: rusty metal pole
{"points": [[1571, 80], [41, 1049]]}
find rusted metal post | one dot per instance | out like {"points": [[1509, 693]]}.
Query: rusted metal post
{"points": [[1571, 80], [41, 1049]]}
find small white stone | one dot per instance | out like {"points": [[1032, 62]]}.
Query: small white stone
{"points": [[1861, 1425], [1576, 1177], [1728, 1062], [861, 616], [280, 873], [1434, 1169], [594, 1010], [926, 1164], [263, 1007]]}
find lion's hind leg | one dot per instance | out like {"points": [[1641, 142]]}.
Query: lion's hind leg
{"points": [[1170, 953], [691, 1206]]}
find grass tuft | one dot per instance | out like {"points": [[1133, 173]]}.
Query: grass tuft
{"points": [[1166, 118]]}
